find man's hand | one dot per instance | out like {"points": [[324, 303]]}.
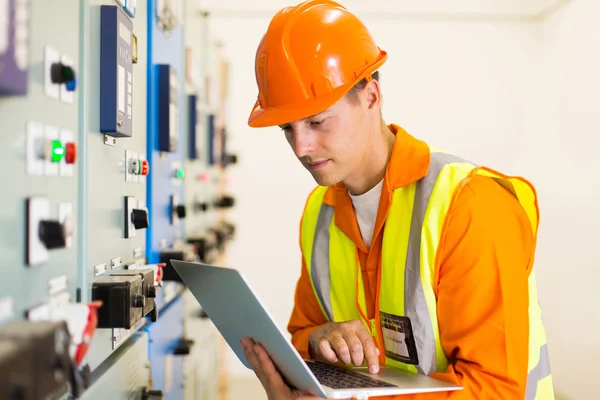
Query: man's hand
{"points": [[348, 341], [271, 380]]}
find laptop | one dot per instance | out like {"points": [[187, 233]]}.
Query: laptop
{"points": [[231, 304]]}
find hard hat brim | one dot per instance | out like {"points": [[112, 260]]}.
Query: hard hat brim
{"points": [[273, 116]]}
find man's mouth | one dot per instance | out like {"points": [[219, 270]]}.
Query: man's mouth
{"points": [[317, 165]]}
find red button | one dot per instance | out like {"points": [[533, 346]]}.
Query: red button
{"points": [[145, 167], [70, 153]]}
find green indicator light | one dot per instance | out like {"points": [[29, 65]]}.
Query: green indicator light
{"points": [[180, 173], [58, 151]]}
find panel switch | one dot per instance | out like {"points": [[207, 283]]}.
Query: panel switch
{"points": [[136, 217], [43, 233], [52, 234]]}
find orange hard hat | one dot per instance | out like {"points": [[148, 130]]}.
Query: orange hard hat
{"points": [[311, 56]]}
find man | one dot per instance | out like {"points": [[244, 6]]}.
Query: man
{"points": [[411, 257]]}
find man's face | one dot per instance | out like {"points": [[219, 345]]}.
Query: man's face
{"points": [[332, 144]]}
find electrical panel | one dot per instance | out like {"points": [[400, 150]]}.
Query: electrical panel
{"points": [[109, 177], [39, 121], [114, 140]]}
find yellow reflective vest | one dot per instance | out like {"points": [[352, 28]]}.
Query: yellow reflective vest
{"points": [[408, 261]]}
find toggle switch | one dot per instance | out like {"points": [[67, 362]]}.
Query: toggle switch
{"points": [[224, 202], [63, 74], [200, 206], [139, 218], [136, 217], [52, 234], [180, 210], [43, 232]]}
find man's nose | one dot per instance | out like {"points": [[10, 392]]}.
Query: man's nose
{"points": [[303, 141]]}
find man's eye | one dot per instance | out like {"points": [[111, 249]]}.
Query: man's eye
{"points": [[316, 123]]}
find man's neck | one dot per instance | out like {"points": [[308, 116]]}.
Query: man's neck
{"points": [[372, 169]]}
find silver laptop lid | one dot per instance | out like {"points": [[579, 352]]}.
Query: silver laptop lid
{"points": [[237, 312]]}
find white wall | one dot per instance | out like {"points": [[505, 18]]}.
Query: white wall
{"points": [[518, 96], [560, 154]]}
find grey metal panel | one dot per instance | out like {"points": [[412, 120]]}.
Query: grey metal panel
{"points": [[106, 185], [53, 23], [125, 375]]}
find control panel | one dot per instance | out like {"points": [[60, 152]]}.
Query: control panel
{"points": [[39, 121], [117, 217], [108, 178], [116, 72]]}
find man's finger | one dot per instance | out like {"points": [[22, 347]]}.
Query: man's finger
{"points": [[370, 350], [356, 348], [327, 351], [271, 374], [251, 356], [341, 348]]}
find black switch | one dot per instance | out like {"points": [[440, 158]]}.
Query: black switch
{"points": [[139, 218], [201, 206], [180, 210], [118, 295], [60, 73], [52, 234], [152, 394], [225, 202]]}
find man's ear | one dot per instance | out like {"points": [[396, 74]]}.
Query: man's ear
{"points": [[372, 93]]}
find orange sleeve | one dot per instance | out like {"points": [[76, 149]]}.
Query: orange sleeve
{"points": [[482, 295]]}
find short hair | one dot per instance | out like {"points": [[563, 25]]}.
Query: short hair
{"points": [[356, 89]]}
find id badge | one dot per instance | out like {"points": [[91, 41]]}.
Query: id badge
{"points": [[398, 338]]}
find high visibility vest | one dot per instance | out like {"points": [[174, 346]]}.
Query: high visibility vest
{"points": [[407, 272]]}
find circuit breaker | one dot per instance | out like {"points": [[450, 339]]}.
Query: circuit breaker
{"points": [[127, 297], [116, 72]]}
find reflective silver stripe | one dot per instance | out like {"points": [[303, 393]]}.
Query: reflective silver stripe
{"points": [[539, 372], [415, 306], [319, 264]]}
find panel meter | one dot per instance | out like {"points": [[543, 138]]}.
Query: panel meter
{"points": [[116, 72], [168, 109], [14, 47], [195, 128]]}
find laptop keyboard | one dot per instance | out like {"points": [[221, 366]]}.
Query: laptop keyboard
{"points": [[341, 378]]}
